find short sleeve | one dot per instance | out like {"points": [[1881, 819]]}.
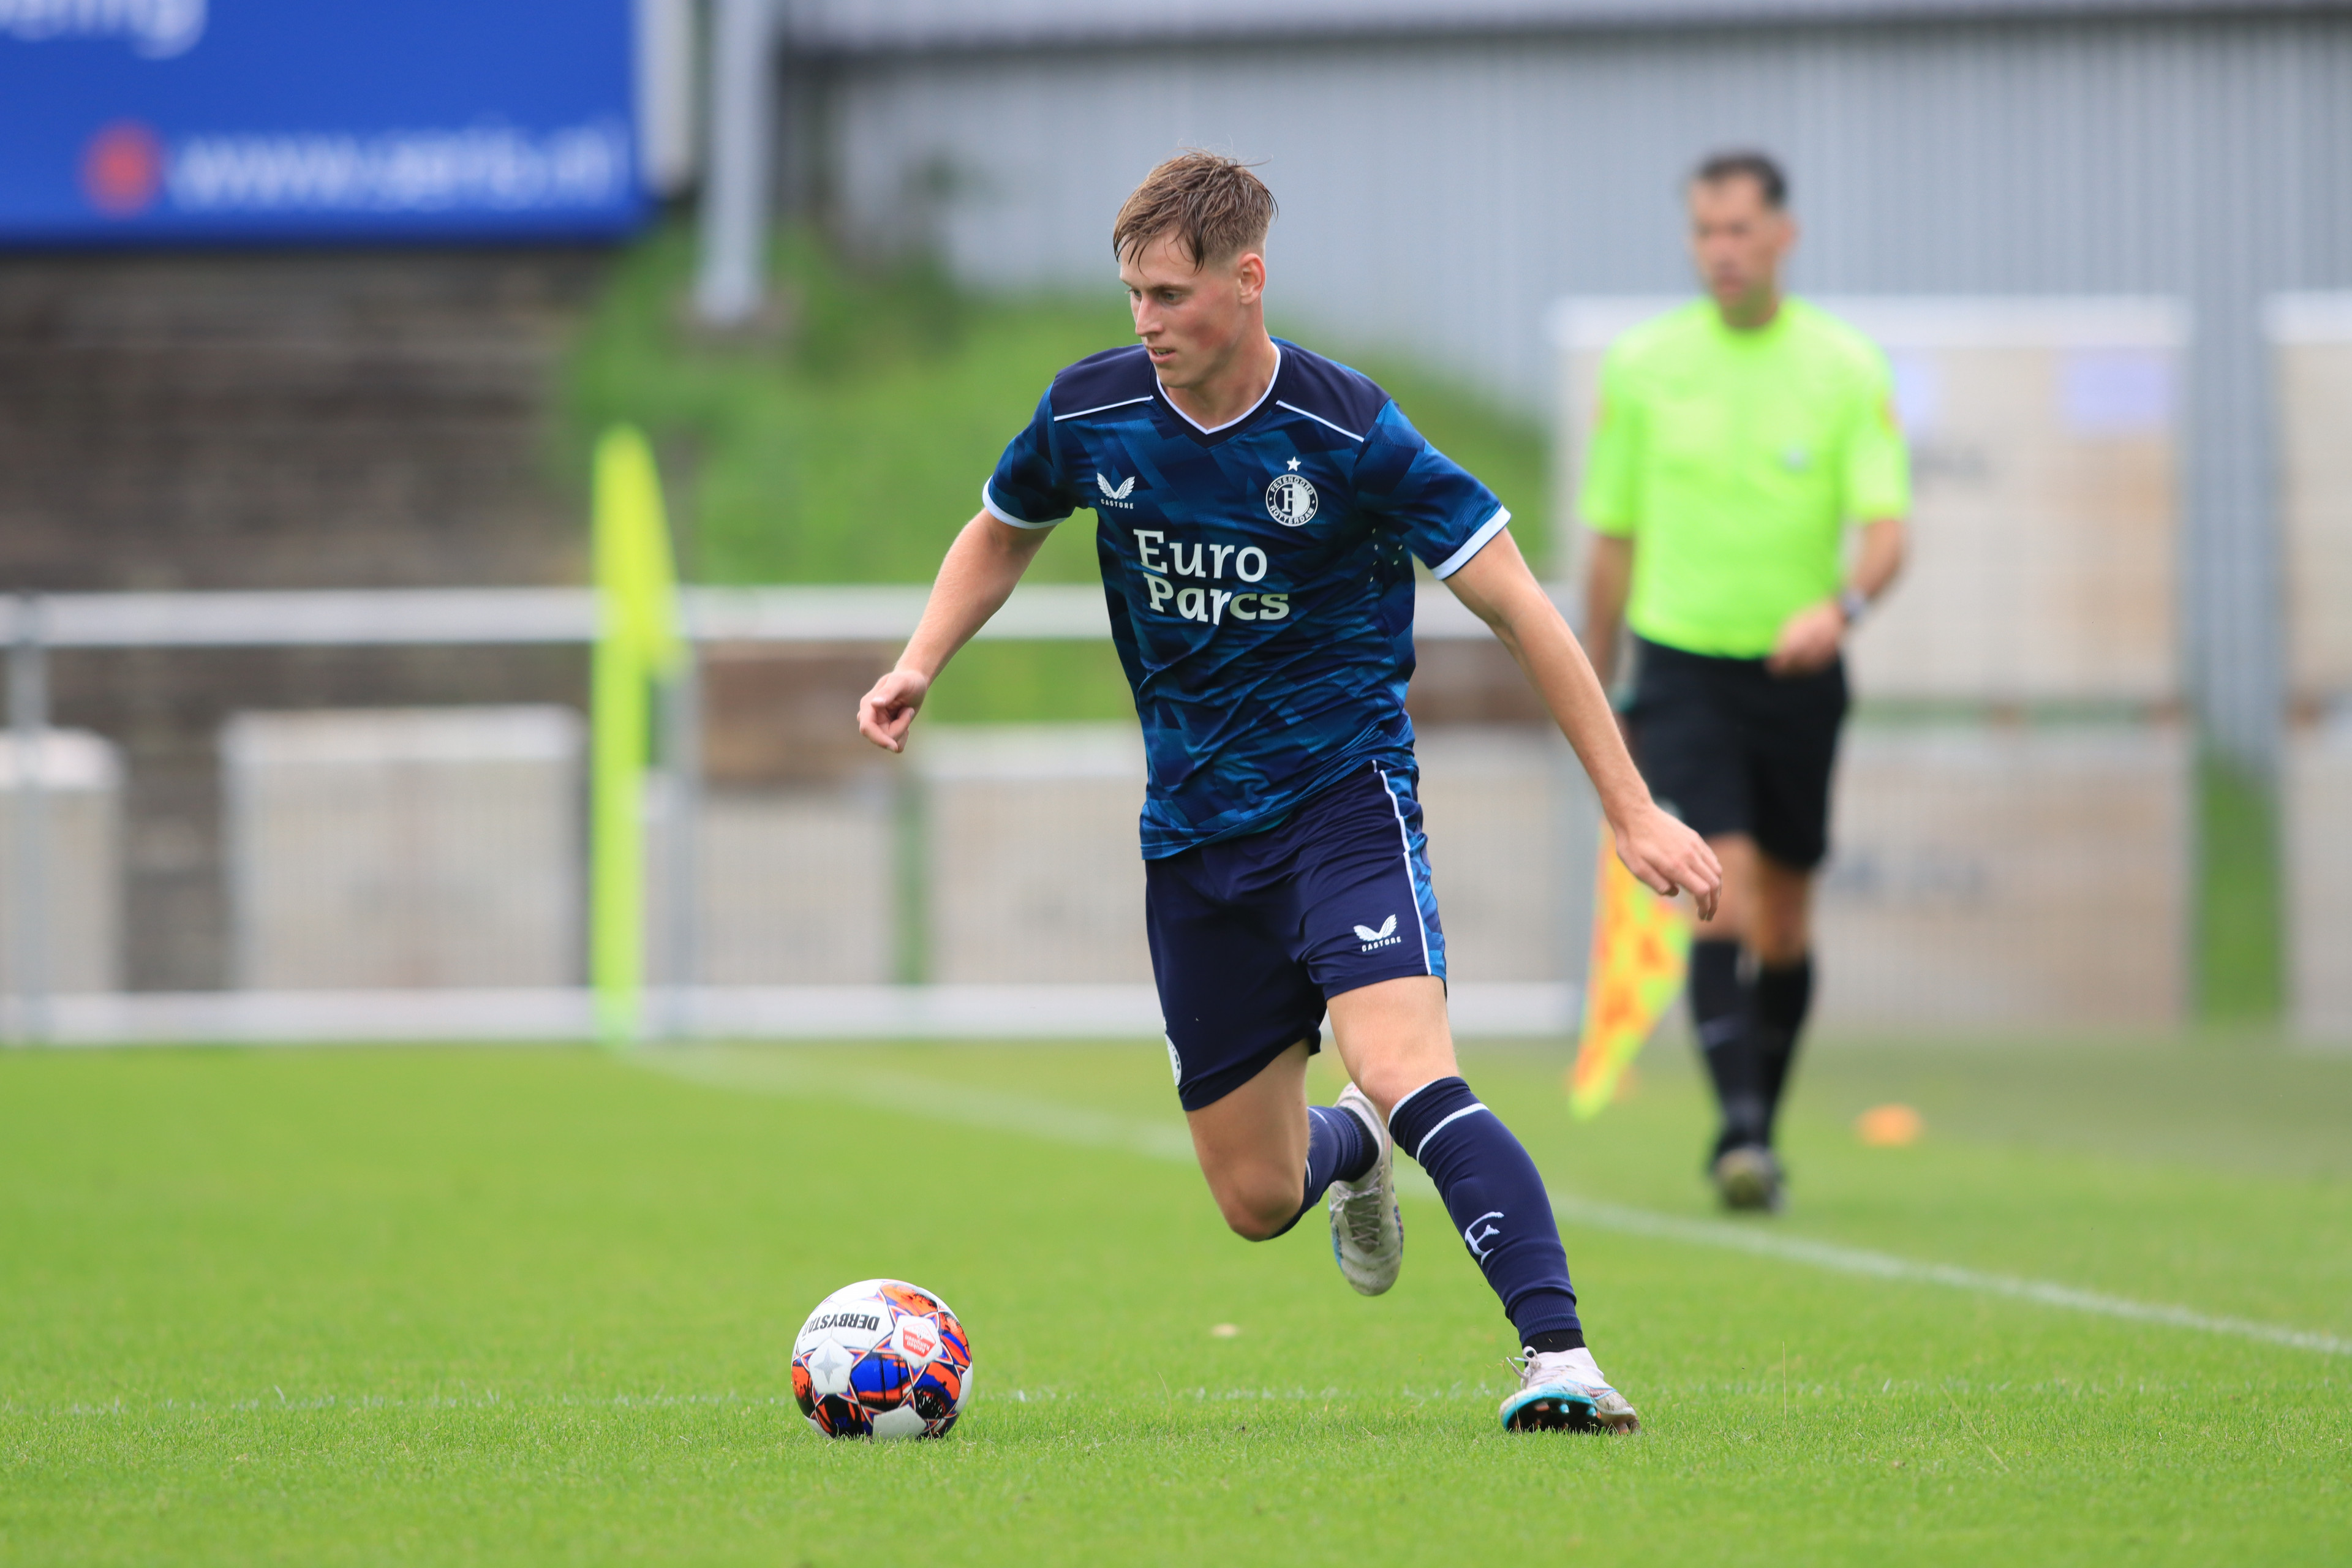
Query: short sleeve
{"points": [[1445, 515], [1877, 476], [1026, 490], [1610, 497]]}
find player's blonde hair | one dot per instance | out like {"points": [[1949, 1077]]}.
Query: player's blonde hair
{"points": [[1213, 202]]}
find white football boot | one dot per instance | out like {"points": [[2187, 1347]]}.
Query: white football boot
{"points": [[1366, 1231], [1563, 1391]]}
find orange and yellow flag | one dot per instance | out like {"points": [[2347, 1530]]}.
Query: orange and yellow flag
{"points": [[1640, 951]]}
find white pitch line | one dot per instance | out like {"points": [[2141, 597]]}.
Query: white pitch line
{"points": [[775, 1073], [772, 1073], [1840, 1260]]}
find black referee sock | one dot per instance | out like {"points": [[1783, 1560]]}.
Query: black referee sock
{"points": [[1724, 1011], [1784, 993]]}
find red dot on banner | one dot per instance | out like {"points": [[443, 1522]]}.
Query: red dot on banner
{"points": [[123, 169]]}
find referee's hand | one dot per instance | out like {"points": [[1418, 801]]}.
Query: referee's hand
{"points": [[1668, 859], [1809, 641]]}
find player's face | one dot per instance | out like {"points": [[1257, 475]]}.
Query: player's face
{"points": [[1192, 319], [1737, 239]]}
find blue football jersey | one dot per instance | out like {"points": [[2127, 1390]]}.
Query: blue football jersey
{"points": [[1259, 575]]}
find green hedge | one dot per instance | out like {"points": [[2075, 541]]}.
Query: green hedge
{"points": [[848, 443]]}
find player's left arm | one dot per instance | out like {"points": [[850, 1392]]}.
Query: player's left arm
{"points": [[1500, 591], [1811, 638]]}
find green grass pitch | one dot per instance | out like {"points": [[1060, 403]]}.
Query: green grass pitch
{"points": [[534, 1306]]}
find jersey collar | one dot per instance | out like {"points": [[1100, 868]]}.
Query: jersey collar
{"points": [[1210, 435]]}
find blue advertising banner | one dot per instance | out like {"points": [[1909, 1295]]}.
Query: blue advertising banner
{"points": [[167, 121]]}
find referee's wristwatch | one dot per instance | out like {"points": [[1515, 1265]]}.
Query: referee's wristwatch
{"points": [[1853, 603]]}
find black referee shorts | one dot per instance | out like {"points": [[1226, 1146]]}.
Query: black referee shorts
{"points": [[1729, 747]]}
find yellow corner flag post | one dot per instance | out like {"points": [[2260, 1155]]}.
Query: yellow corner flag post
{"points": [[636, 643], [1641, 952]]}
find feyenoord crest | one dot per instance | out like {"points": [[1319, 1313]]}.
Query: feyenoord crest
{"points": [[1291, 498]]}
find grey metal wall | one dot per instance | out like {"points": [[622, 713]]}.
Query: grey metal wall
{"points": [[1438, 192]]}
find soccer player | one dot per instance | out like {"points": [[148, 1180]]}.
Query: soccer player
{"points": [[1736, 437], [1257, 509]]}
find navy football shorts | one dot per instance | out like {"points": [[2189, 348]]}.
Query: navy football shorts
{"points": [[1250, 935]]}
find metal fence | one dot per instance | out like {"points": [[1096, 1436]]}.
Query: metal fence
{"points": [[418, 871]]}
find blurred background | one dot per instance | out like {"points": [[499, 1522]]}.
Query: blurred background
{"points": [[310, 313]]}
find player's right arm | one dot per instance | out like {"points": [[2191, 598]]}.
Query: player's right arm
{"points": [[978, 575], [1500, 591], [1024, 499]]}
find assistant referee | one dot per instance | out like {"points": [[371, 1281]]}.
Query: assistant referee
{"points": [[1737, 440]]}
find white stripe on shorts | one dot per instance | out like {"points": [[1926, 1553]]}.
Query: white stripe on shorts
{"points": [[1404, 836]]}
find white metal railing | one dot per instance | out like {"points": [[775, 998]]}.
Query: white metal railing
{"points": [[421, 616], [34, 625]]}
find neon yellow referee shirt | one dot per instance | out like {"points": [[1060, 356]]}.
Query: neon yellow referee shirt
{"points": [[1733, 461]]}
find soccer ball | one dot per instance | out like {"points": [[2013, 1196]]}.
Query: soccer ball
{"points": [[882, 1358]]}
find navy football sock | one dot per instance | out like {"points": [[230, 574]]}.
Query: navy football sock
{"points": [[1784, 995], [1496, 1199], [1723, 1011], [1340, 1148]]}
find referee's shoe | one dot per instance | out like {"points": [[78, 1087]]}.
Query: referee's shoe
{"points": [[1748, 1177]]}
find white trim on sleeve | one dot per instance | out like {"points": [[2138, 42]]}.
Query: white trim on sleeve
{"points": [[1100, 408], [1477, 542], [1305, 414], [988, 504]]}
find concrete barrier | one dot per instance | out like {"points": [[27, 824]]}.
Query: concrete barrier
{"points": [[80, 889], [398, 847], [2007, 876]]}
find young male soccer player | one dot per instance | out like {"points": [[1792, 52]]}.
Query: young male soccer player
{"points": [[1736, 437], [1257, 507]]}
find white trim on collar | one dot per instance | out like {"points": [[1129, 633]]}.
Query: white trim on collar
{"points": [[1213, 429]]}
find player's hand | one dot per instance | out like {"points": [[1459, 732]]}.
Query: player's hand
{"points": [[886, 713], [1668, 859], [1809, 640]]}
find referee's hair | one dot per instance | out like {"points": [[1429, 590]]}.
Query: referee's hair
{"points": [[1211, 202], [1746, 163]]}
